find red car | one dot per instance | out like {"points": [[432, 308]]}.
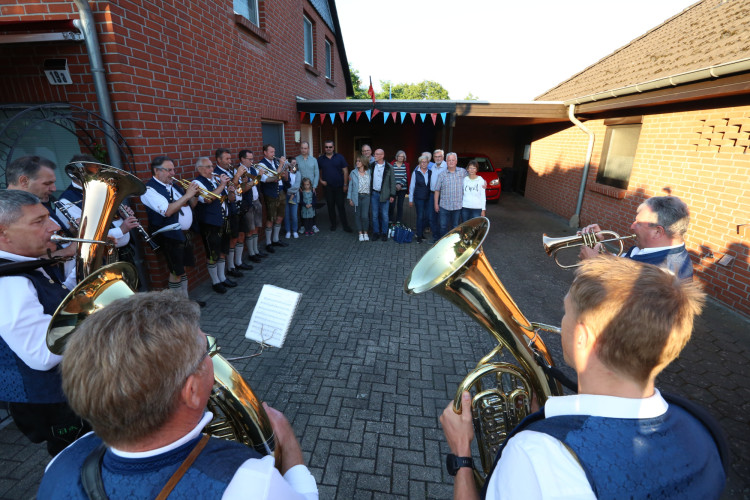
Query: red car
{"points": [[490, 175]]}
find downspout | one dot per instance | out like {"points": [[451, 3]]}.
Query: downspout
{"points": [[88, 28], [574, 221]]}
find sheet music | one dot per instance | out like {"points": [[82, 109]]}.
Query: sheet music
{"points": [[272, 315]]}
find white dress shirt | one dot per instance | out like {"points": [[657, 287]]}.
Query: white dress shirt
{"points": [[159, 204]]}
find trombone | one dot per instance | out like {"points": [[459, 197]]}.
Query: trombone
{"points": [[201, 190], [554, 245]]}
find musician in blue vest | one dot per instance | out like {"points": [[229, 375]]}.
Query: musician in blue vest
{"points": [[624, 322], [141, 372], [274, 187], [30, 293], [659, 227], [167, 206], [236, 237], [211, 213]]}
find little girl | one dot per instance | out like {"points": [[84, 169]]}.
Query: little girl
{"points": [[307, 200], [474, 201]]}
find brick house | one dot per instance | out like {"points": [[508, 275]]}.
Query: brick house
{"points": [[669, 113], [183, 78]]}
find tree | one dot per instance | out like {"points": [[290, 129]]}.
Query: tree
{"points": [[426, 89], [360, 92], [471, 97]]}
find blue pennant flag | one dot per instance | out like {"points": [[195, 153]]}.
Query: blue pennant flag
{"points": [[348, 114], [369, 114], [385, 117], [312, 116], [333, 117], [422, 115], [403, 116], [442, 115]]}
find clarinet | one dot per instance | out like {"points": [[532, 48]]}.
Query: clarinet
{"points": [[126, 212], [73, 224]]}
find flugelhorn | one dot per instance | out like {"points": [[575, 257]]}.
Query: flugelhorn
{"points": [[201, 190], [457, 269], [554, 245]]}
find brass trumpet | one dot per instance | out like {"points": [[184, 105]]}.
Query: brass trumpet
{"points": [[554, 245], [201, 190]]}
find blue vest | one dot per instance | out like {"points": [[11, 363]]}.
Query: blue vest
{"points": [[20, 383], [676, 260], [231, 204], [73, 195], [670, 456], [208, 477], [272, 189], [421, 190], [209, 213], [157, 220]]}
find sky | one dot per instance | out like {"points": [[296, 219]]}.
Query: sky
{"points": [[498, 50]]}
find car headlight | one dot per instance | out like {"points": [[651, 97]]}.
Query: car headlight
{"points": [[494, 182]]}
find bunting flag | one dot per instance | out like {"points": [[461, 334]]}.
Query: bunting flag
{"points": [[393, 116], [341, 115], [403, 116], [413, 118], [434, 118], [375, 112], [371, 92], [385, 117], [344, 116], [349, 115], [322, 118], [312, 116], [368, 113], [302, 115], [422, 116], [333, 117], [442, 115], [356, 119]]}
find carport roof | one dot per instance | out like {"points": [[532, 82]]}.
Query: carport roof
{"points": [[518, 113]]}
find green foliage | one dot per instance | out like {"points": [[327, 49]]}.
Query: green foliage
{"points": [[360, 91], [426, 89], [471, 97]]}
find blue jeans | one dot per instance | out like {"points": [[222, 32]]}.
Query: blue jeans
{"points": [[448, 220], [290, 217], [362, 212], [434, 218], [379, 214], [470, 213], [423, 214]]}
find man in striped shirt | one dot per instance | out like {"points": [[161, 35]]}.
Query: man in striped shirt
{"points": [[449, 193]]}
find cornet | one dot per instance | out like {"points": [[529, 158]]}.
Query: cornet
{"points": [[201, 190], [554, 245]]}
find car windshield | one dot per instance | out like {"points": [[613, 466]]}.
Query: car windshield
{"points": [[484, 163]]}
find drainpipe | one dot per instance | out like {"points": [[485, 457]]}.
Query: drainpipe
{"points": [[574, 221], [88, 28]]}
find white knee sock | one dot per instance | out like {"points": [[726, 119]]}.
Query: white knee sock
{"points": [[220, 265]]}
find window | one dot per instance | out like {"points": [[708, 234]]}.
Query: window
{"points": [[329, 61], [248, 9], [618, 153], [273, 134], [308, 41]]}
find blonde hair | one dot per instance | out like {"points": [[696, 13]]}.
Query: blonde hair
{"points": [[642, 315], [125, 366]]}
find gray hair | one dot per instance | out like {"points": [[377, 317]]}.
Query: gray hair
{"points": [[141, 350], [423, 157], [671, 213], [11, 203], [427, 154], [199, 161], [451, 154], [438, 151], [399, 153], [28, 166]]}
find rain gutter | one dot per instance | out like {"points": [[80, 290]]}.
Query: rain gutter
{"points": [[586, 166]]}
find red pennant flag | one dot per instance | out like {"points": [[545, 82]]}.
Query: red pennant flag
{"points": [[342, 114], [413, 117], [434, 118], [371, 92], [322, 118], [375, 112], [393, 116], [357, 118], [302, 115]]}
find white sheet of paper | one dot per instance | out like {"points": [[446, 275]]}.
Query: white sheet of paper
{"points": [[272, 315]]}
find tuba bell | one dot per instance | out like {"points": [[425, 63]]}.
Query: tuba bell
{"points": [[238, 414], [457, 269]]}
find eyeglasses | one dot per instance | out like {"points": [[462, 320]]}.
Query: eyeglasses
{"points": [[210, 351], [328, 147], [649, 224]]}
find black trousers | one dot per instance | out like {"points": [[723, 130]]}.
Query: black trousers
{"points": [[335, 201], [55, 423]]}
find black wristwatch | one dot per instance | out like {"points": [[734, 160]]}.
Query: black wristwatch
{"points": [[453, 463]]}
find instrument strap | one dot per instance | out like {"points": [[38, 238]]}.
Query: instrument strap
{"points": [[91, 472]]}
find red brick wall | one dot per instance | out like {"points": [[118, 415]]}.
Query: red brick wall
{"points": [[702, 156], [184, 77]]}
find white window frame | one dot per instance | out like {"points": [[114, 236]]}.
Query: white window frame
{"points": [[249, 10], [329, 60], [309, 35]]}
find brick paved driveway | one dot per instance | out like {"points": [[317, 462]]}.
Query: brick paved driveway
{"points": [[366, 369]]}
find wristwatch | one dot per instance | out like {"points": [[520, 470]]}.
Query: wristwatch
{"points": [[453, 463]]}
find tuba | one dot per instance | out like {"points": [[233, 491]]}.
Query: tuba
{"points": [[238, 414], [457, 269]]}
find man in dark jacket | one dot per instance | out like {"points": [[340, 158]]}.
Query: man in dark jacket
{"points": [[334, 175]]}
